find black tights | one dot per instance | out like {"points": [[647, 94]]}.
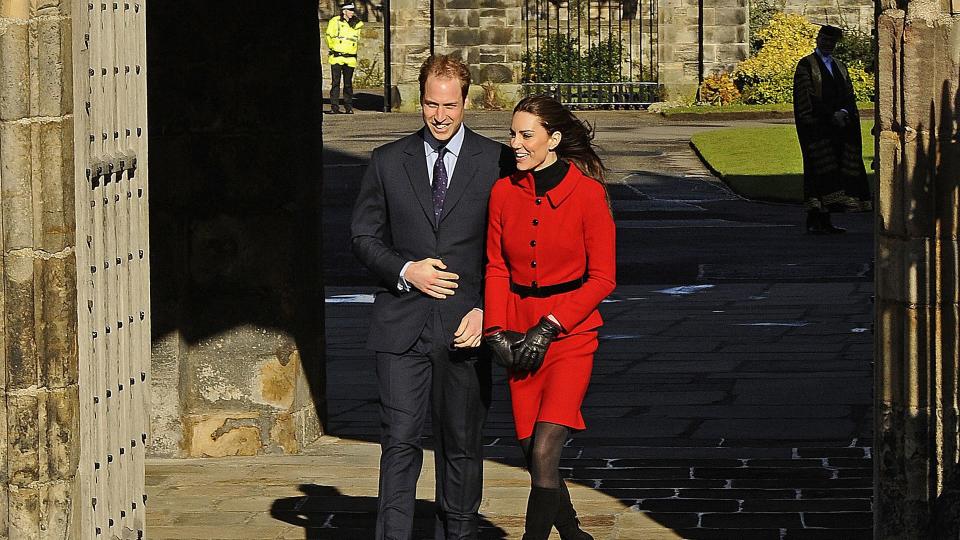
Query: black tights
{"points": [[542, 454]]}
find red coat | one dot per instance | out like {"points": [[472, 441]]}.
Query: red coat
{"points": [[545, 241]]}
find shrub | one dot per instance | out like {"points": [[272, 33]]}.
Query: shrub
{"points": [[856, 47], [761, 11], [719, 89], [561, 59], [862, 81], [767, 77], [368, 74], [491, 99]]}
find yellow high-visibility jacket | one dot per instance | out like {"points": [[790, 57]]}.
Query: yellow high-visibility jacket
{"points": [[343, 41]]}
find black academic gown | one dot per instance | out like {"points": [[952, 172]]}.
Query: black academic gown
{"points": [[833, 174]]}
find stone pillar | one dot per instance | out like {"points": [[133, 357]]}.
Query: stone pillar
{"points": [[917, 437], [725, 41], [237, 289], [410, 38], [39, 403]]}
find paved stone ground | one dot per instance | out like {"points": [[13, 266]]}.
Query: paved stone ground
{"points": [[731, 395]]}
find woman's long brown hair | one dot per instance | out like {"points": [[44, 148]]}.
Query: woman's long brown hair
{"points": [[576, 135]]}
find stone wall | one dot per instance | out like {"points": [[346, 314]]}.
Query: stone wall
{"points": [[487, 34], [725, 41], [39, 404], [235, 228], [490, 35], [849, 13], [917, 427]]}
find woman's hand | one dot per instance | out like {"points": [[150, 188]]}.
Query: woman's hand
{"points": [[533, 349], [503, 343]]}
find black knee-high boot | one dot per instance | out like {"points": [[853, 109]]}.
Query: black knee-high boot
{"points": [[566, 522], [541, 512]]}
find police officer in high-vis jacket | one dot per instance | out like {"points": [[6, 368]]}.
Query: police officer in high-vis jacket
{"points": [[343, 40]]}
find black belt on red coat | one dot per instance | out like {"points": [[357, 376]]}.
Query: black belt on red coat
{"points": [[547, 290]]}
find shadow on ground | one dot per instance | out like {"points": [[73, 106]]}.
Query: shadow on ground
{"points": [[320, 505], [363, 100]]}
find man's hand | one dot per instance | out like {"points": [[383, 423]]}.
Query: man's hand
{"points": [[428, 277], [840, 118], [468, 334]]}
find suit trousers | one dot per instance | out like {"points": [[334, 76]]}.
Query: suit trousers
{"points": [[335, 72], [455, 385]]}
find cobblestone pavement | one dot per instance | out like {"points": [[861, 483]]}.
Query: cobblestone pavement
{"points": [[731, 396]]}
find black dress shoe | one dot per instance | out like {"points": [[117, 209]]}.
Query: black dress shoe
{"points": [[815, 223], [829, 226], [334, 111], [348, 111]]}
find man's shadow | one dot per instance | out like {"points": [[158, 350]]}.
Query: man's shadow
{"points": [[326, 513]]}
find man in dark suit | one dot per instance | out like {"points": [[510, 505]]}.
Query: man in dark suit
{"points": [[419, 224], [828, 127]]}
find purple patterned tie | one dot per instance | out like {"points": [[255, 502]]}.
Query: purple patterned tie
{"points": [[439, 183]]}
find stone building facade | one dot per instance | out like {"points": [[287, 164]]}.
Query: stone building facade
{"points": [[842, 13], [723, 28], [492, 36]]}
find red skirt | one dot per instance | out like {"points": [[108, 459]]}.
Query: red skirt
{"points": [[554, 393]]}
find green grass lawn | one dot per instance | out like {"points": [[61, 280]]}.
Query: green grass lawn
{"points": [[763, 163]]}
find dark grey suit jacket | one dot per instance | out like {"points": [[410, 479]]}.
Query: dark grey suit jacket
{"points": [[393, 222]]}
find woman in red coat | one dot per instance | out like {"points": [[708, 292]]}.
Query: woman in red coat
{"points": [[551, 249]]}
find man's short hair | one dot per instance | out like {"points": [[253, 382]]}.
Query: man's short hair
{"points": [[447, 67], [830, 31]]}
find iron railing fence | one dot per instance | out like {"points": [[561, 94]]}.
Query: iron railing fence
{"points": [[592, 53], [615, 95]]}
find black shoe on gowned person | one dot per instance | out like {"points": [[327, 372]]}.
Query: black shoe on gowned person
{"points": [[815, 224], [828, 226]]}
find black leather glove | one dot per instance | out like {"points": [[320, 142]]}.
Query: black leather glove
{"points": [[503, 343], [533, 350]]}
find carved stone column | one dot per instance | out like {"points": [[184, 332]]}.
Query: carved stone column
{"points": [[916, 448]]}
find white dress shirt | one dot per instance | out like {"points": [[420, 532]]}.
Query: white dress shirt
{"points": [[431, 147]]}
